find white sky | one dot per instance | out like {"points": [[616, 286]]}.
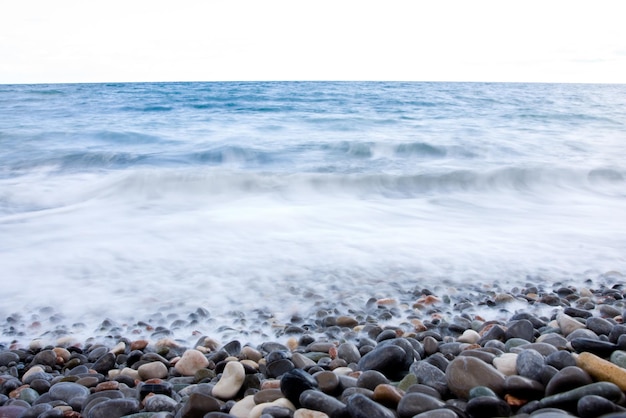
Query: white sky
{"points": [[213, 40]]}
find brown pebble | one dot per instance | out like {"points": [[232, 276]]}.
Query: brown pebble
{"points": [[138, 345], [602, 370], [387, 395], [270, 384], [513, 401], [110, 385]]}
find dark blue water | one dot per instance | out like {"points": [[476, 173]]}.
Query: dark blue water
{"points": [[247, 195]]}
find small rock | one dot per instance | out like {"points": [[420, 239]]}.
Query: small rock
{"points": [[231, 381], [191, 362]]}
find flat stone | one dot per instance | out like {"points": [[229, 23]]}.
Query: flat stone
{"points": [[267, 395], [464, 373], [45, 358], [231, 381], [437, 413], [599, 325], [602, 370], [191, 362], [257, 410]]}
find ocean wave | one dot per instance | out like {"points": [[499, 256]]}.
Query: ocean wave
{"points": [[520, 181]]}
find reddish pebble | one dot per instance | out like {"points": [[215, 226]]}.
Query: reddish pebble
{"points": [[110, 385], [138, 345]]}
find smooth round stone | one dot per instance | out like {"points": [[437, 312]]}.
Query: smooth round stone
{"points": [[431, 345], [464, 373], [577, 312], [512, 343], [488, 406], [567, 324], [349, 352], [199, 404], [481, 354], [478, 391], [506, 364], [602, 370], [154, 370], [592, 406], [542, 348], [561, 359], [407, 381], [569, 399], [616, 332], [66, 391], [388, 359], [275, 411], [600, 326], [582, 333], [104, 363], [529, 364], [555, 340], [416, 403], [301, 362], [30, 377], [387, 395], [327, 381], [294, 382], [28, 395], [361, 406], [566, 379], [158, 403], [191, 362], [469, 336], [12, 411], [302, 413], [437, 413], [345, 395], [45, 358], [258, 410], [609, 311], [279, 367], [522, 329], [114, 408], [231, 381], [597, 347], [496, 332], [429, 375], [523, 387], [8, 357], [40, 385], [426, 390], [267, 395], [370, 379], [319, 401], [618, 357]]}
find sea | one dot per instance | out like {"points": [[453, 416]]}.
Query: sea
{"points": [[145, 203]]}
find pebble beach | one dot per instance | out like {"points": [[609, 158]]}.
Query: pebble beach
{"points": [[479, 351]]}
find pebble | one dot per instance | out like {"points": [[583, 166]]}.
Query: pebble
{"points": [[566, 358], [191, 361], [231, 381]]}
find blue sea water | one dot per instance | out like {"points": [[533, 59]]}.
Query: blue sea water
{"points": [[121, 200]]}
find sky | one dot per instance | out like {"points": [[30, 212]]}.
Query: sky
{"points": [[58, 41]]}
